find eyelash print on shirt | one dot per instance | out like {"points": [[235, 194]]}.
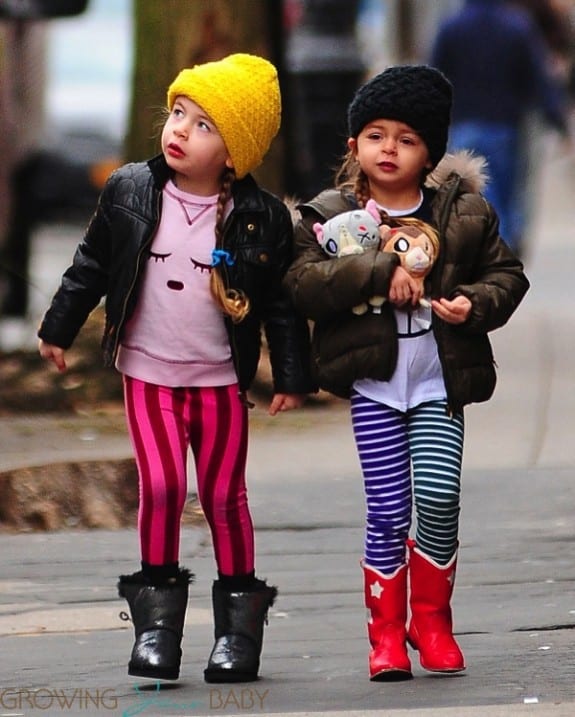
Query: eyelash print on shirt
{"points": [[200, 266], [158, 257]]}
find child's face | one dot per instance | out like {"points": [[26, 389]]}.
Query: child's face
{"points": [[194, 148], [392, 155]]}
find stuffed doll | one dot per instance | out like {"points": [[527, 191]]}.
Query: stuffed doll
{"points": [[415, 242], [352, 233], [417, 245]]}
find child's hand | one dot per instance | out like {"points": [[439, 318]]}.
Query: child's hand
{"points": [[404, 289], [52, 353], [455, 311], [285, 402]]}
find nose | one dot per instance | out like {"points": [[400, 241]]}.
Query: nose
{"points": [[389, 146], [181, 130]]}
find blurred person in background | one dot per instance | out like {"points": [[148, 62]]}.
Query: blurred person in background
{"points": [[499, 64], [324, 68]]}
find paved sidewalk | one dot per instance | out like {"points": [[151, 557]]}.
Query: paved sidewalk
{"points": [[65, 648]]}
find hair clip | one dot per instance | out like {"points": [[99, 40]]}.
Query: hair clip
{"points": [[219, 256]]}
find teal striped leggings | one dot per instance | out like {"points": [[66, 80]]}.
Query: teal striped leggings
{"points": [[426, 443]]}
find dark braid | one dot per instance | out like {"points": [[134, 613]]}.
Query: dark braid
{"points": [[234, 303]]}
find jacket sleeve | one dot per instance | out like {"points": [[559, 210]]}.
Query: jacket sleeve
{"points": [[499, 283], [286, 330], [83, 284], [322, 286]]}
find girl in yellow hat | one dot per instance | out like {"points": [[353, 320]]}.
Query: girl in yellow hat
{"points": [[190, 253]]}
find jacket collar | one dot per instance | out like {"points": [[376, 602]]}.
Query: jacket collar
{"points": [[470, 169]]}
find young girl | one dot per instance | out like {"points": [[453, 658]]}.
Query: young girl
{"points": [[190, 254], [408, 370]]}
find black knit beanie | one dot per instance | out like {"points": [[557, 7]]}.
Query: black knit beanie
{"points": [[418, 95]]}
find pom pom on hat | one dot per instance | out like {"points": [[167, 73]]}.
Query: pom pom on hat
{"points": [[241, 95], [418, 95]]}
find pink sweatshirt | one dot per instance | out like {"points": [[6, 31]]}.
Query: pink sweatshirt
{"points": [[176, 336]]}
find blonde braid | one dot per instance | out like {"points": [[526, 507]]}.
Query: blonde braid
{"points": [[350, 176], [234, 303]]}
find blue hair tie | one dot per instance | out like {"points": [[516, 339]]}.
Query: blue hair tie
{"points": [[219, 256]]}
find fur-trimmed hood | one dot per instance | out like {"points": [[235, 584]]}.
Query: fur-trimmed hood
{"points": [[470, 167]]}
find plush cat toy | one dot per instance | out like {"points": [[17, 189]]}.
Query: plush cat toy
{"points": [[352, 233], [414, 241]]}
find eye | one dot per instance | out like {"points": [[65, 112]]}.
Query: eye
{"points": [[401, 245], [158, 257]]}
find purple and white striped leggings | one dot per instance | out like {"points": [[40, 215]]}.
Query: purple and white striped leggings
{"points": [[409, 458], [213, 421]]}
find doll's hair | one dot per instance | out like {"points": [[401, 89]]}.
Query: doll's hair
{"points": [[421, 226], [233, 302]]}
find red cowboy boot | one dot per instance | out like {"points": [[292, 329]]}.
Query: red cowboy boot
{"points": [[431, 628], [386, 600]]}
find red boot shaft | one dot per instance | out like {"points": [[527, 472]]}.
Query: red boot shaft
{"points": [[431, 626], [386, 601]]}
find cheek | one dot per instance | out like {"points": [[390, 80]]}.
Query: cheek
{"points": [[166, 133]]}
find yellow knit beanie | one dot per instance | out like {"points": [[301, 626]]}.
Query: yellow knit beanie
{"points": [[241, 95]]}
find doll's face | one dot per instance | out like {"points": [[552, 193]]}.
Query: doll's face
{"points": [[414, 248]]}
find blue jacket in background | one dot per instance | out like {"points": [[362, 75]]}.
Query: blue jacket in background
{"points": [[495, 57]]}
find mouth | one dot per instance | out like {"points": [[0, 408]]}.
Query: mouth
{"points": [[174, 150], [387, 166]]}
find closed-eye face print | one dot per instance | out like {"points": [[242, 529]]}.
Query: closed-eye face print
{"points": [[174, 269], [171, 269]]}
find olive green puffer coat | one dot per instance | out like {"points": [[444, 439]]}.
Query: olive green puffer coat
{"points": [[473, 261]]}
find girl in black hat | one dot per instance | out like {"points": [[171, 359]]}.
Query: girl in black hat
{"points": [[410, 369]]}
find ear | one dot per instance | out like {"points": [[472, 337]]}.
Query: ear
{"points": [[229, 163], [352, 145], [384, 233], [371, 207]]}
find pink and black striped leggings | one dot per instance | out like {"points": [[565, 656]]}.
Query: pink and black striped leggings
{"points": [[213, 421]]}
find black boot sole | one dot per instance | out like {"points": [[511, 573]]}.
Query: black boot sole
{"points": [[222, 676], [154, 674], [392, 676]]}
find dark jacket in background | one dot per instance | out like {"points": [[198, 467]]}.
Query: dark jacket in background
{"points": [[473, 261], [496, 59], [110, 259]]}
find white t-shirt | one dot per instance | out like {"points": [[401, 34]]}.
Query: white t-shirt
{"points": [[418, 376]]}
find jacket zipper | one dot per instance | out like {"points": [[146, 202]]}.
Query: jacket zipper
{"points": [[438, 328], [228, 322], [134, 279]]}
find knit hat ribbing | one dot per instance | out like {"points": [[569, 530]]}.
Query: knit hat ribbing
{"points": [[241, 95], [418, 95]]}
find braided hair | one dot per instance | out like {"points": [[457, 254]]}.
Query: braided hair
{"points": [[233, 302]]}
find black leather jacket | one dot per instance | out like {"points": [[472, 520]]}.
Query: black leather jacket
{"points": [[110, 258]]}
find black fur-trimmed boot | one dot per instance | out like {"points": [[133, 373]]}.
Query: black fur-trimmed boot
{"points": [[239, 625], [158, 612]]}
